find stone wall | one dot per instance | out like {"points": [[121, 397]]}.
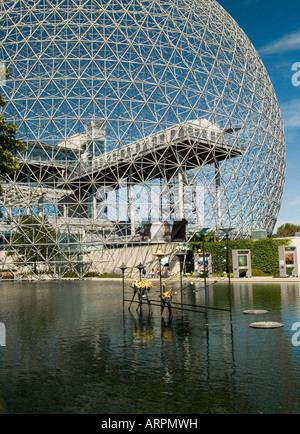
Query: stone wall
{"points": [[110, 260]]}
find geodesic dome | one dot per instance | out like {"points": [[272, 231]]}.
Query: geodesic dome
{"points": [[135, 113]]}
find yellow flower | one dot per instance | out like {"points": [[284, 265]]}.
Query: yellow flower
{"points": [[168, 293], [141, 284]]}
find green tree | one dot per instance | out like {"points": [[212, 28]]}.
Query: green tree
{"points": [[9, 145], [287, 230], [35, 240]]}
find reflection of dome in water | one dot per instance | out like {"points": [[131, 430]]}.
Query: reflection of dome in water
{"points": [[90, 77]]}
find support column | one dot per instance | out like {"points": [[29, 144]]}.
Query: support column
{"points": [[218, 194], [8, 212], [160, 199], [149, 191], [41, 207], [180, 194], [94, 203], [171, 199], [65, 207], [131, 203], [118, 204]]}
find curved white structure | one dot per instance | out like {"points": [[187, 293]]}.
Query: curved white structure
{"points": [[134, 111]]}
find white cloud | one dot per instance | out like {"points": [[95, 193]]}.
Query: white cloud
{"points": [[285, 44], [291, 113]]}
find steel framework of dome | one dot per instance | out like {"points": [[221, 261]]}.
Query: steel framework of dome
{"points": [[145, 121]]}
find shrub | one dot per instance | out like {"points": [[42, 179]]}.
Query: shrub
{"points": [[70, 274], [101, 275], [264, 253], [7, 275], [258, 273]]}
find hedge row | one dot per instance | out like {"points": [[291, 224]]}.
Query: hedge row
{"points": [[264, 253]]}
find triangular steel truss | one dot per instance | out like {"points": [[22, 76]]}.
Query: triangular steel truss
{"points": [[135, 113]]}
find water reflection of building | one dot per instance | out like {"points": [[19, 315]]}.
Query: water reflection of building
{"points": [[88, 354]]}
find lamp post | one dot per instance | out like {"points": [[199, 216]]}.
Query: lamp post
{"points": [[123, 269], [227, 232], [181, 255], [159, 255], [202, 236], [140, 268]]}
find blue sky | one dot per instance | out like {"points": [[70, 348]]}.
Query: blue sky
{"points": [[273, 26]]}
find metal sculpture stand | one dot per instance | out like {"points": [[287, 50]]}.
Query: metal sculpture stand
{"points": [[142, 290], [166, 300]]}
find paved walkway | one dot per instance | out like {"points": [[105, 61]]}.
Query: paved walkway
{"points": [[256, 279]]}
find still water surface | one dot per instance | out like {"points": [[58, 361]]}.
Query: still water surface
{"points": [[71, 348]]}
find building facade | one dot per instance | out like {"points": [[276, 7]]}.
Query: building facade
{"points": [[144, 121]]}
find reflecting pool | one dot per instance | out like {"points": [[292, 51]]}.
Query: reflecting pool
{"points": [[71, 348]]}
